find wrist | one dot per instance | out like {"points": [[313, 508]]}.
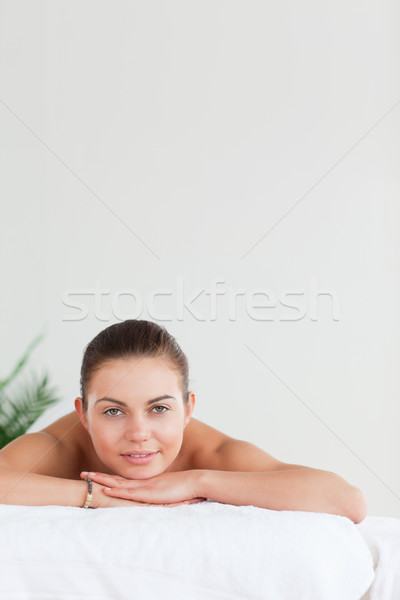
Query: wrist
{"points": [[89, 496], [81, 492], [85, 492], [201, 479], [85, 495]]}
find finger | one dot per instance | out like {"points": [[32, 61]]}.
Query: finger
{"points": [[103, 478], [193, 501], [142, 498], [92, 474], [127, 493]]}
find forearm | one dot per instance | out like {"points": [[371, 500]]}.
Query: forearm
{"points": [[32, 489], [298, 489]]}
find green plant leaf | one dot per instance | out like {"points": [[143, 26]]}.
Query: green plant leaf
{"points": [[21, 362], [32, 399]]}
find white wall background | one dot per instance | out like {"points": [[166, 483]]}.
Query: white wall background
{"points": [[147, 146]]}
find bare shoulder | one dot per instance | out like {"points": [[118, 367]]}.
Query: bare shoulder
{"points": [[53, 451], [198, 434], [67, 429], [76, 441], [213, 449]]}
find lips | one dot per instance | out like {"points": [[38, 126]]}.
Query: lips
{"points": [[140, 460], [139, 452]]}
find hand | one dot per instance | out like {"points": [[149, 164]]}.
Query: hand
{"points": [[101, 500], [168, 489]]}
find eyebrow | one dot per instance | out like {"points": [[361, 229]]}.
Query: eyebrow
{"points": [[164, 397]]}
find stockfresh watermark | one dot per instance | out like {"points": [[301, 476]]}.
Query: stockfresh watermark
{"points": [[216, 301]]}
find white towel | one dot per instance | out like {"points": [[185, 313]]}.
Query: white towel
{"points": [[198, 552], [382, 535]]}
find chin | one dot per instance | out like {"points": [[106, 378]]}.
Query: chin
{"points": [[141, 474], [141, 471]]}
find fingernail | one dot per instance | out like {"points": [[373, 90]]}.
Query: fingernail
{"points": [[92, 474], [84, 473]]}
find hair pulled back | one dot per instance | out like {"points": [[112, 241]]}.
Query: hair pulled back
{"points": [[133, 338]]}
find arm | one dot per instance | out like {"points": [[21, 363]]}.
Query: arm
{"points": [[238, 472], [37, 470], [303, 489], [32, 489]]}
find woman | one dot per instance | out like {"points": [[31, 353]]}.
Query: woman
{"points": [[134, 437]]}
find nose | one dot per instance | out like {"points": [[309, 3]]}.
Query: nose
{"points": [[136, 429]]}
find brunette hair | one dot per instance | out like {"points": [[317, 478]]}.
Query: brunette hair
{"points": [[133, 337]]}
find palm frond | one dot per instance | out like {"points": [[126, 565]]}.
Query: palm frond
{"points": [[31, 400], [21, 363]]}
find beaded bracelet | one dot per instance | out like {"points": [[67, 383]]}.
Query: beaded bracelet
{"points": [[89, 495]]}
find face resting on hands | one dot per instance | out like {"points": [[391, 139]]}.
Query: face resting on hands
{"points": [[135, 406]]}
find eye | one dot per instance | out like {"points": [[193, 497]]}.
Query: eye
{"points": [[159, 412], [108, 410]]}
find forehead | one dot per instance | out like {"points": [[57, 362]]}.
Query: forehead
{"points": [[134, 377]]}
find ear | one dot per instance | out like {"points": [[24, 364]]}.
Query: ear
{"points": [[82, 415], [189, 407]]}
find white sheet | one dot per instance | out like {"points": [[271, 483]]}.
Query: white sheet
{"points": [[382, 535], [197, 552]]}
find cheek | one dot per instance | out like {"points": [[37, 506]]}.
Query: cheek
{"points": [[171, 435], [103, 436]]}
